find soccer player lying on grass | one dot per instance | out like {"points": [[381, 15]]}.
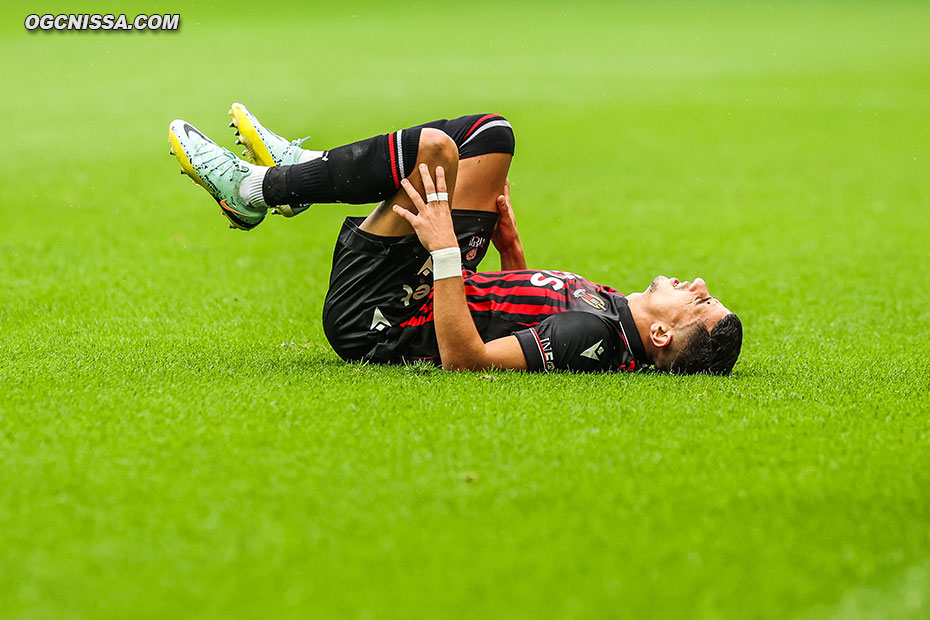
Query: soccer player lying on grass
{"points": [[396, 296]]}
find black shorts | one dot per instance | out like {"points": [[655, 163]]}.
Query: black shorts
{"points": [[377, 283]]}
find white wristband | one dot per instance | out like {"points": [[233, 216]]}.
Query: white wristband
{"points": [[447, 263]]}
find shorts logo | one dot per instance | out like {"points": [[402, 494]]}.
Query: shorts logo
{"points": [[592, 300], [472, 253], [378, 322], [594, 352], [477, 242]]}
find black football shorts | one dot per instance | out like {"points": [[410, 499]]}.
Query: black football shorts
{"points": [[378, 283]]}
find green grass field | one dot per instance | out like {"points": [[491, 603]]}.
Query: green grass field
{"points": [[177, 439]]}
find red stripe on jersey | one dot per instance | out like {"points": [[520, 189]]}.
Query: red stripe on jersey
{"points": [[419, 320], [478, 122], [513, 308], [425, 313], [502, 276], [393, 160], [514, 291]]}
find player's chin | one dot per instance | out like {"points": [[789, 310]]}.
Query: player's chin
{"points": [[654, 285]]}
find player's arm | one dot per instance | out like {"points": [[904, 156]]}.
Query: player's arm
{"points": [[460, 345], [506, 238]]}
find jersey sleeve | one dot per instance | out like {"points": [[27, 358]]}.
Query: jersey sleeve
{"points": [[576, 341]]}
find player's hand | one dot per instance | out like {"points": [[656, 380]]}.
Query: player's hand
{"points": [[505, 236], [433, 220]]}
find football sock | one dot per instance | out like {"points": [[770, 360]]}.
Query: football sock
{"points": [[250, 189], [371, 170], [358, 173]]}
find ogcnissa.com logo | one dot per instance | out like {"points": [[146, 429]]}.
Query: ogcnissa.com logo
{"points": [[88, 21]]}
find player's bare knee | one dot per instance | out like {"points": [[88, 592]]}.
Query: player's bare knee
{"points": [[437, 148]]}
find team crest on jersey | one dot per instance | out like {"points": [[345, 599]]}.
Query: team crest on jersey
{"points": [[591, 299]]}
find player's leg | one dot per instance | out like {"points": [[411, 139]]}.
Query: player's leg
{"points": [[477, 184], [481, 180], [381, 278], [362, 172], [486, 147], [484, 142], [435, 148]]}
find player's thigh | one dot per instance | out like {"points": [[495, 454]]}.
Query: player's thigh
{"points": [[480, 181]]}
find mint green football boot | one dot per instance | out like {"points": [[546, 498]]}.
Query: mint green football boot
{"points": [[217, 170], [266, 148]]}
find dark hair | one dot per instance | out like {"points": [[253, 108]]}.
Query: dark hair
{"points": [[712, 352]]}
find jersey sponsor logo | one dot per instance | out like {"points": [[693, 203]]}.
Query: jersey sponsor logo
{"points": [[415, 294], [555, 279], [590, 298], [378, 322], [542, 280], [594, 352], [427, 267]]}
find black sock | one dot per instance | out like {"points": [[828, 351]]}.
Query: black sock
{"points": [[371, 170], [357, 173]]}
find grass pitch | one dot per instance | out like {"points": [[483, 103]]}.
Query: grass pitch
{"points": [[178, 440]]}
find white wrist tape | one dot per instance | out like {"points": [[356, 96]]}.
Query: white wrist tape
{"points": [[447, 263]]}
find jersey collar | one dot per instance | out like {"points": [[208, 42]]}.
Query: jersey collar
{"points": [[631, 335]]}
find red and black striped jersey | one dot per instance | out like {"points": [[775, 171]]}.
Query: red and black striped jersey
{"points": [[562, 320]]}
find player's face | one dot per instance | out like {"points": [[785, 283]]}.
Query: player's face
{"points": [[683, 302]]}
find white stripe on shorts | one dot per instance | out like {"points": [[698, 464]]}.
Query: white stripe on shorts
{"points": [[500, 123]]}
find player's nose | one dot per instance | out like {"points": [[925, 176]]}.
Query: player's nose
{"points": [[699, 286]]}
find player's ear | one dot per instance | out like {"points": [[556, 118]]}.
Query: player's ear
{"points": [[660, 335]]}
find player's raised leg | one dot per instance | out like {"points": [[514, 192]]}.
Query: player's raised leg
{"points": [[371, 170], [434, 148], [358, 173], [484, 144], [365, 171], [486, 147]]}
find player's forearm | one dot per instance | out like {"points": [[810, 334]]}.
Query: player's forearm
{"points": [[460, 345], [512, 258]]}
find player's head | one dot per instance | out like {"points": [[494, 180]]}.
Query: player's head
{"points": [[690, 331]]}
